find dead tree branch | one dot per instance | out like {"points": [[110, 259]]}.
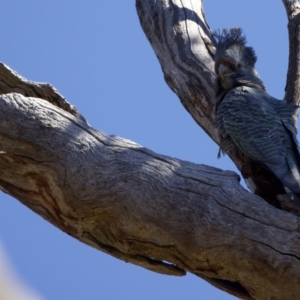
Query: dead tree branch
{"points": [[292, 90], [163, 214], [183, 43]]}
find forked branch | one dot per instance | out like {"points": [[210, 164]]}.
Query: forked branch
{"points": [[163, 214]]}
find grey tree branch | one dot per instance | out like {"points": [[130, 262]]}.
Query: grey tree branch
{"points": [[160, 213], [183, 43], [292, 90], [12, 82], [181, 39]]}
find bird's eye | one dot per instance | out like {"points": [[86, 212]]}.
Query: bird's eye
{"points": [[239, 65]]}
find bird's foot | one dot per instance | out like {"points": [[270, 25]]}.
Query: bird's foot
{"points": [[290, 202]]}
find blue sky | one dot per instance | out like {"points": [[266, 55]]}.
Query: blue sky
{"points": [[96, 55]]}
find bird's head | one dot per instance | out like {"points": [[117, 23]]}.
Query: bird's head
{"points": [[234, 61]]}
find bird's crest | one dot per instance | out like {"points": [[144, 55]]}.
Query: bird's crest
{"points": [[232, 43], [229, 37]]}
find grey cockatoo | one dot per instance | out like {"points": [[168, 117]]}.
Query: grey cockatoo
{"points": [[250, 119]]}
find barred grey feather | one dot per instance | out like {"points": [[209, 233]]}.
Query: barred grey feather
{"points": [[250, 119]]}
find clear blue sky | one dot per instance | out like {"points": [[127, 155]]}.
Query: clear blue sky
{"points": [[96, 55]]}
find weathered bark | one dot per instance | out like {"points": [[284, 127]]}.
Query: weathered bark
{"points": [[292, 90], [163, 214], [166, 215], [183, 43]]}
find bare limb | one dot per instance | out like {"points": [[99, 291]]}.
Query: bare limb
{"points": [[181, 39], [183, 43], [292, 90], [163, 214], [12, 82]]}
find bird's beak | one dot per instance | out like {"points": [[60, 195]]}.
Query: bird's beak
{"points": [[224, 73], [223, 70]]}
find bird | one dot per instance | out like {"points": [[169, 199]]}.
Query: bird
{"points": [[248, 118]]}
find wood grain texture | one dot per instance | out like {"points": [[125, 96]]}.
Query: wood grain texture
{"points": [[292, 90], [164, 214], [160, 213], [182, 42], [184, 46], [12, 82]]}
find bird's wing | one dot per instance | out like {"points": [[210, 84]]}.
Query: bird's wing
{"points": [[254, 125], [286, 112]]}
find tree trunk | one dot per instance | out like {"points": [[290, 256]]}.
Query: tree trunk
{"points": [[160, 213]]}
